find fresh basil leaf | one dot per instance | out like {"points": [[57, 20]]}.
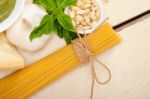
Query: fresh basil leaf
{"points": [[59, 29], [61, 23], [65, 21], [49, 5], [49, 12], [65, 3], [61, 32], [73, 35], [46, 27], [67, 36]]}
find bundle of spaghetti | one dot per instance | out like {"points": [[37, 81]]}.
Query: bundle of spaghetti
{"points": [[27, 81]]}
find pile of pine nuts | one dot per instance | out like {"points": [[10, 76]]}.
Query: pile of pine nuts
{"points": [[85, 14]]}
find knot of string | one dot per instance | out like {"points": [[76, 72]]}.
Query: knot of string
{"points": [[85, 56]]}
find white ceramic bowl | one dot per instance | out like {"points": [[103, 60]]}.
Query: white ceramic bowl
{"points": [[13, 16], [101, 18]]}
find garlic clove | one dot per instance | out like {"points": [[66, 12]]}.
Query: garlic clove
{"points": [[18, 34]]}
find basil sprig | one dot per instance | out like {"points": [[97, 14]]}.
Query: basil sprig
{"points": [[56, 20]]}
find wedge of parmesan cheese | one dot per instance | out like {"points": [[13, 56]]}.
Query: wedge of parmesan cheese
{"points": [[10, 59]]}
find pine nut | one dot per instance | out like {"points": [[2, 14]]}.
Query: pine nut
{"points": [[86, 6], [93, 24], [94, 8], [74, 8], [80, 12], [80, 18], [72, 14], [86, 27], [87, 11], [80, 3], [74, 23], [77, 21], [83, 23], [85, 14], [97, 13], [92, 14], [87, 19]]}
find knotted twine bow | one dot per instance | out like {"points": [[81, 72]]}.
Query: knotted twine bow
{"points": [[85, 56]]}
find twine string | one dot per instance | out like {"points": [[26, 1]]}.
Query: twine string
{"points": [[81, 47]]}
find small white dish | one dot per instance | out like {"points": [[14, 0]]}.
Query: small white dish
{"points": [[101, 18], [13, 16]]}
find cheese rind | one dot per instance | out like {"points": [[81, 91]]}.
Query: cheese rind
{"points": [[10, 59]]}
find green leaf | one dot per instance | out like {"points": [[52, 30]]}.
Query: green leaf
{"points": [[46, 26], [65, 3], [61, 23], [73, 35], [67, 36], [65, 21], [59, 29], [62, 33], [49, 5]]}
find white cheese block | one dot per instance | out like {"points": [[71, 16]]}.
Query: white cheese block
{"points": [[10, 59], [54, 44]]}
